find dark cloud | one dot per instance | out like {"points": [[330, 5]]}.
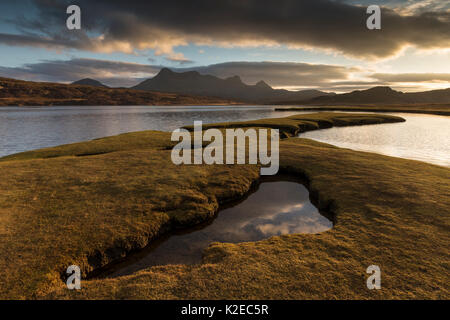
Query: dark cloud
{"points": [[406, 6], [32, 41], [115, 25]]}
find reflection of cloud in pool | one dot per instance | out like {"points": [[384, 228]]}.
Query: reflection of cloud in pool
{"points": [[268, 213], [300, 218], [276, 208]]}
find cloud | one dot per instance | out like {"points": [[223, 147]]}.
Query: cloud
{"points": [[412, 77], [31, 41], [398, 81], [178, 58], [289, 75], [129, 26], [112, 73], [406, 7], [278, 74]]}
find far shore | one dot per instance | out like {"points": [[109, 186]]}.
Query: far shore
{"points": [[439, 109]]}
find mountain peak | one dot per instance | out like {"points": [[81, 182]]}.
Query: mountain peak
{"points": [[263, 85], [236, 79], [89, 82], [381, 89], [165, 71]]}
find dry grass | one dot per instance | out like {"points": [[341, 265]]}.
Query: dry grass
{"points": [[93, 209], [293, 125]]}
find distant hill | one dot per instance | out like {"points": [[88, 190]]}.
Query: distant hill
{"points": [[90, 82], [231, 88], [26, 93], [384, 95]]}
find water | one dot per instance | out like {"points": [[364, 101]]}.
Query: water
{"points": [[422, 137], [28, 128], [275, 208]]}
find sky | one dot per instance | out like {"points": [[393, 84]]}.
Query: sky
{"points": [[292, 44]]}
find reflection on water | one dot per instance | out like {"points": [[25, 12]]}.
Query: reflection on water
{"points": [[421, 137], [276, 208], [28, 128]]}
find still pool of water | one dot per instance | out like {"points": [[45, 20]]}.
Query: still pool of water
{"points": [[275, 208], [422, 137]]}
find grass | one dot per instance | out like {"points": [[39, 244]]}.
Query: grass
{"points": [[59, 208], [293, 125]]}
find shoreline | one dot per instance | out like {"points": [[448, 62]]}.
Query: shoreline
{"points": [[276, 107], [369, 109]]}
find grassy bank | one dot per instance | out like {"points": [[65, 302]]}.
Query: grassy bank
{"points": [[91, 203], [439, 109], [293, 125]]}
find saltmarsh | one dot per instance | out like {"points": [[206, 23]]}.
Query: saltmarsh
{"points": [[90, 203]]}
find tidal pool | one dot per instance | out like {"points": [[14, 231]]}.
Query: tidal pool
{"points": [[274, 208]]}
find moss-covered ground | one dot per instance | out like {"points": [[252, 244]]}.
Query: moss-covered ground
{"points": [[91, 203]]}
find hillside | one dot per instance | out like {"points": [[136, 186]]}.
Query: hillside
{"points": [[26, 93], [384, 95], [231, 88]]}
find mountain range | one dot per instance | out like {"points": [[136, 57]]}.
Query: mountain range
{"points": [[193, 88], [382, 95], [194, 83], [27, 93]]}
